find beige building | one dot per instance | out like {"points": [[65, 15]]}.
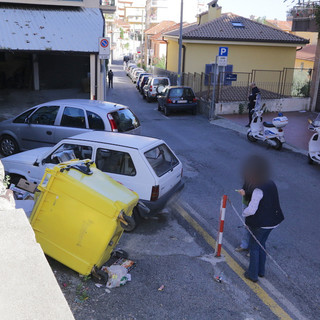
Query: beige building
{"points": [[51, 44]]}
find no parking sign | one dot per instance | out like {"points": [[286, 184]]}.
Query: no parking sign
{"points": [[104, 48]]}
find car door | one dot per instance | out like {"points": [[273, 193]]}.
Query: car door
{"points": [[63, 152], [40, 128], [126, 166], [73, 121]]}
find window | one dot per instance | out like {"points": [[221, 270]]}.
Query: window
{"points": [[158, 82], [67, 152], [181, 92], [23, 117], [45, 116], [115, 162], [73, 117], [237, 24], [95, 121], [161, 159], [125, 120]]}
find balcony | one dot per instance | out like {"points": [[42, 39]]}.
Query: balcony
{"points": [[303, 16], [108, 6]]}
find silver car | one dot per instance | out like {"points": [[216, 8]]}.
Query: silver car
{"points": [[48, 123]]}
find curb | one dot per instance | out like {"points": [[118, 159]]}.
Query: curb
{"points": [[228, 124]]}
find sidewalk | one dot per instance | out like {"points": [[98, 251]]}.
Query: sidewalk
{"points": [[296, 132]]}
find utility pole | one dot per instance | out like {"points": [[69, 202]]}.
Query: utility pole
{"points": [[180, 45]]}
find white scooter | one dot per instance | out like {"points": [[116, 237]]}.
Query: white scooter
{"points": [[270, 132], [314, 143]]}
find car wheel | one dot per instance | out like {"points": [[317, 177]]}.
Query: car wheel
{"points": [[8, 146], [166, 111], [148, 98], [278, 145], [250, 137], [194, 111], [310, 161], [159, 107], [15, 178], [143, 95]]}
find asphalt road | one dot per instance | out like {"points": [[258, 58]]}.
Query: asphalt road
{"points": [[211, 157]]}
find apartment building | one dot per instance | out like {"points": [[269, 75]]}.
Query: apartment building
{"points": [[161, 10], [51, 44]]}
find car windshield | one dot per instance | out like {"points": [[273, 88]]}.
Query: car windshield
{"points": [[161, 159], [162, 82], [125, 120], [181, 92]]}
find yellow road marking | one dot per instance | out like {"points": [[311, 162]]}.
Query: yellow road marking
{"points": [[266, 299]]}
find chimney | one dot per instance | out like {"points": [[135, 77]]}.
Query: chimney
{"points": [[214, 11]]}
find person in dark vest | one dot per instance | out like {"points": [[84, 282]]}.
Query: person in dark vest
{"points": [[252, 98], [110, 78], [262, 214]]}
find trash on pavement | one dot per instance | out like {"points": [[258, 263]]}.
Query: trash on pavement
{"points": [[161, 288], [128, 264], [218, 279], [76, 216], [117, 276]]}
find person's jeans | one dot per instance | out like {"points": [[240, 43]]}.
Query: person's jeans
{"points": [[245, 239], [257, 255]]}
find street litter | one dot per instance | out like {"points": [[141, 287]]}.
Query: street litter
{"points": [[218, 279], [99, 285], [107, 291], [118, 276], [128, 264], [161, 288]]}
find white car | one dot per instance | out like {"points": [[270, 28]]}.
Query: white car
{"points": [[46, 124], [145, 165], [154, 86]]}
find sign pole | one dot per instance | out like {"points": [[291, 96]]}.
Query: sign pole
{"points": [[213, 105]]}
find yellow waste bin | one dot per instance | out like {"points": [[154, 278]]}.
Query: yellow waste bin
{"points": [[77, 217]]}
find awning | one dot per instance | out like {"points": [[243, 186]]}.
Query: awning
{"points": [[40, 28]]}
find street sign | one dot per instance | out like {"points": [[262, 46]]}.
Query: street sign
{"points": [[222, 61], [104, 48], [223, 51], [231, 77]]}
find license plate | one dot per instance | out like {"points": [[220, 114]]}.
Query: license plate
{"points": [[182, 101]]}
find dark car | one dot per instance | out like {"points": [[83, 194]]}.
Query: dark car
{"points": [[177, 98], [143, 82], [140, 77]]}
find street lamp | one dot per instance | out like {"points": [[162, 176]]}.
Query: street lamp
{"points": [[180, 46]]}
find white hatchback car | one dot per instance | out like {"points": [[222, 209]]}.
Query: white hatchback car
{"points": [[146, 165], [48, 123]]}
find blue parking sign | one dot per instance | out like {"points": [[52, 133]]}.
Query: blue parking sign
{"points": [[223, 51]]}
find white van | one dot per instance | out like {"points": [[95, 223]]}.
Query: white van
{"points": [[145, 165]]}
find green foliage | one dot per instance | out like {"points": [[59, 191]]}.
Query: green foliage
{"points": [[121, 33], [160, 63], [241, 108], [126, 46], [305, 90]]}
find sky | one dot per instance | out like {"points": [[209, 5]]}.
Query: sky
{"points": [[269, 8]]}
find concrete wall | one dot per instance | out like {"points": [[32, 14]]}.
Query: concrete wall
{"points": [[278, 105]]}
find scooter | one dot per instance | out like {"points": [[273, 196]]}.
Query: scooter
{"points": [[314, 142], [270, 132]]}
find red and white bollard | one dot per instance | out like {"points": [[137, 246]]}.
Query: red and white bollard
{"points": [[220, 234]]}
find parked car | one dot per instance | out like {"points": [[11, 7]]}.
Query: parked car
{"points": [[145, 165], [154, 86], [129, 67], [133, 71], [143, 82], [136, 74], [177, 98], [48, 123], [140, 77]]}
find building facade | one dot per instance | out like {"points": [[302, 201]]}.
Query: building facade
{"points": [[52, 44]]}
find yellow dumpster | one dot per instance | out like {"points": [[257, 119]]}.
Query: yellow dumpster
{"points": [[80, 214]]}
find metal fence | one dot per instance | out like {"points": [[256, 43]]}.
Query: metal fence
{"points": [[235, 86]]}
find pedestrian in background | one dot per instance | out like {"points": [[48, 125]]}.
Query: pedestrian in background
{"points": [[262, 214], [110, 78], [252, 100]]}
